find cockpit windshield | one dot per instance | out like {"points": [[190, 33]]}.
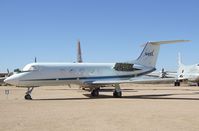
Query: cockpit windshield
{"points": [[29, 68]]}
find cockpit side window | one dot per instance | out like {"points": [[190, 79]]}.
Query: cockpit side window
{"points": [[17, 70]]}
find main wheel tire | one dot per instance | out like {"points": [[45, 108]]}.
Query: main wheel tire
{"points": [[117, 94], [95, 93], [28, 97], [177, 83]]}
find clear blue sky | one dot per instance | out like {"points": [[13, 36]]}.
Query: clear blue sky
{"points": [[109, 30]]}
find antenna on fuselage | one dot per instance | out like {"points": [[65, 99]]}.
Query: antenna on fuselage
{"points": [[35, 59], [79, 53]]}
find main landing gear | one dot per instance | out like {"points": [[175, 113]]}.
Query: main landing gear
{"points": [[28, 93], [95, 92], [117, 93], [177, 83]]}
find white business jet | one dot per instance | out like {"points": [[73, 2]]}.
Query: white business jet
{"points": [[189, 73], [185, 73], [91, 75]]}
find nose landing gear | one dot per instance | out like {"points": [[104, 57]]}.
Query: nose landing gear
{"points": [[28, 93]]}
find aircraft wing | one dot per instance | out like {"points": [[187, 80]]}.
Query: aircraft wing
{"points": [[163, 74], [155, 81], [105, 82], [111, 82], [135, 81]]}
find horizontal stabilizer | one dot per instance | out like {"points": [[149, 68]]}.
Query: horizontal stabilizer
{"points": [[169, 41]]}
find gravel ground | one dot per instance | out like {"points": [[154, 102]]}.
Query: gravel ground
{"points": [[142, 108]]}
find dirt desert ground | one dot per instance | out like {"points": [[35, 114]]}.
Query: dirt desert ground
{"points": [[142, 108]]}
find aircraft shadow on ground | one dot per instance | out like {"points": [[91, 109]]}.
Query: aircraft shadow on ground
{"points": [[160, 97], [58, 99], [147, 97]]}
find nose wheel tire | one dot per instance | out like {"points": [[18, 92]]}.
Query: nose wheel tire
{"points": [[29, 91], [28, 97]]}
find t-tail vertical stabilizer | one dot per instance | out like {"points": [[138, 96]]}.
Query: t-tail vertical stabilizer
{"points": [[179, 60], [149, 55], [181, 68]]}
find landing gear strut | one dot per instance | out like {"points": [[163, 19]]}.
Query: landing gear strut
{"points": [[95, 92], [28, 93], [117, 93]]}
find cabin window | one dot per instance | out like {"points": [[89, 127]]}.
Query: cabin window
{"points": [[124, 67]]}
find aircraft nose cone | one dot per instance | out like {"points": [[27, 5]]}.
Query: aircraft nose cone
{"points": [[11, 80]]}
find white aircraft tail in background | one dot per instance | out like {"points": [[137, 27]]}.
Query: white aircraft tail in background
{"points": [[179, 60], [188, 73], [184, 73], [90, 75]]}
